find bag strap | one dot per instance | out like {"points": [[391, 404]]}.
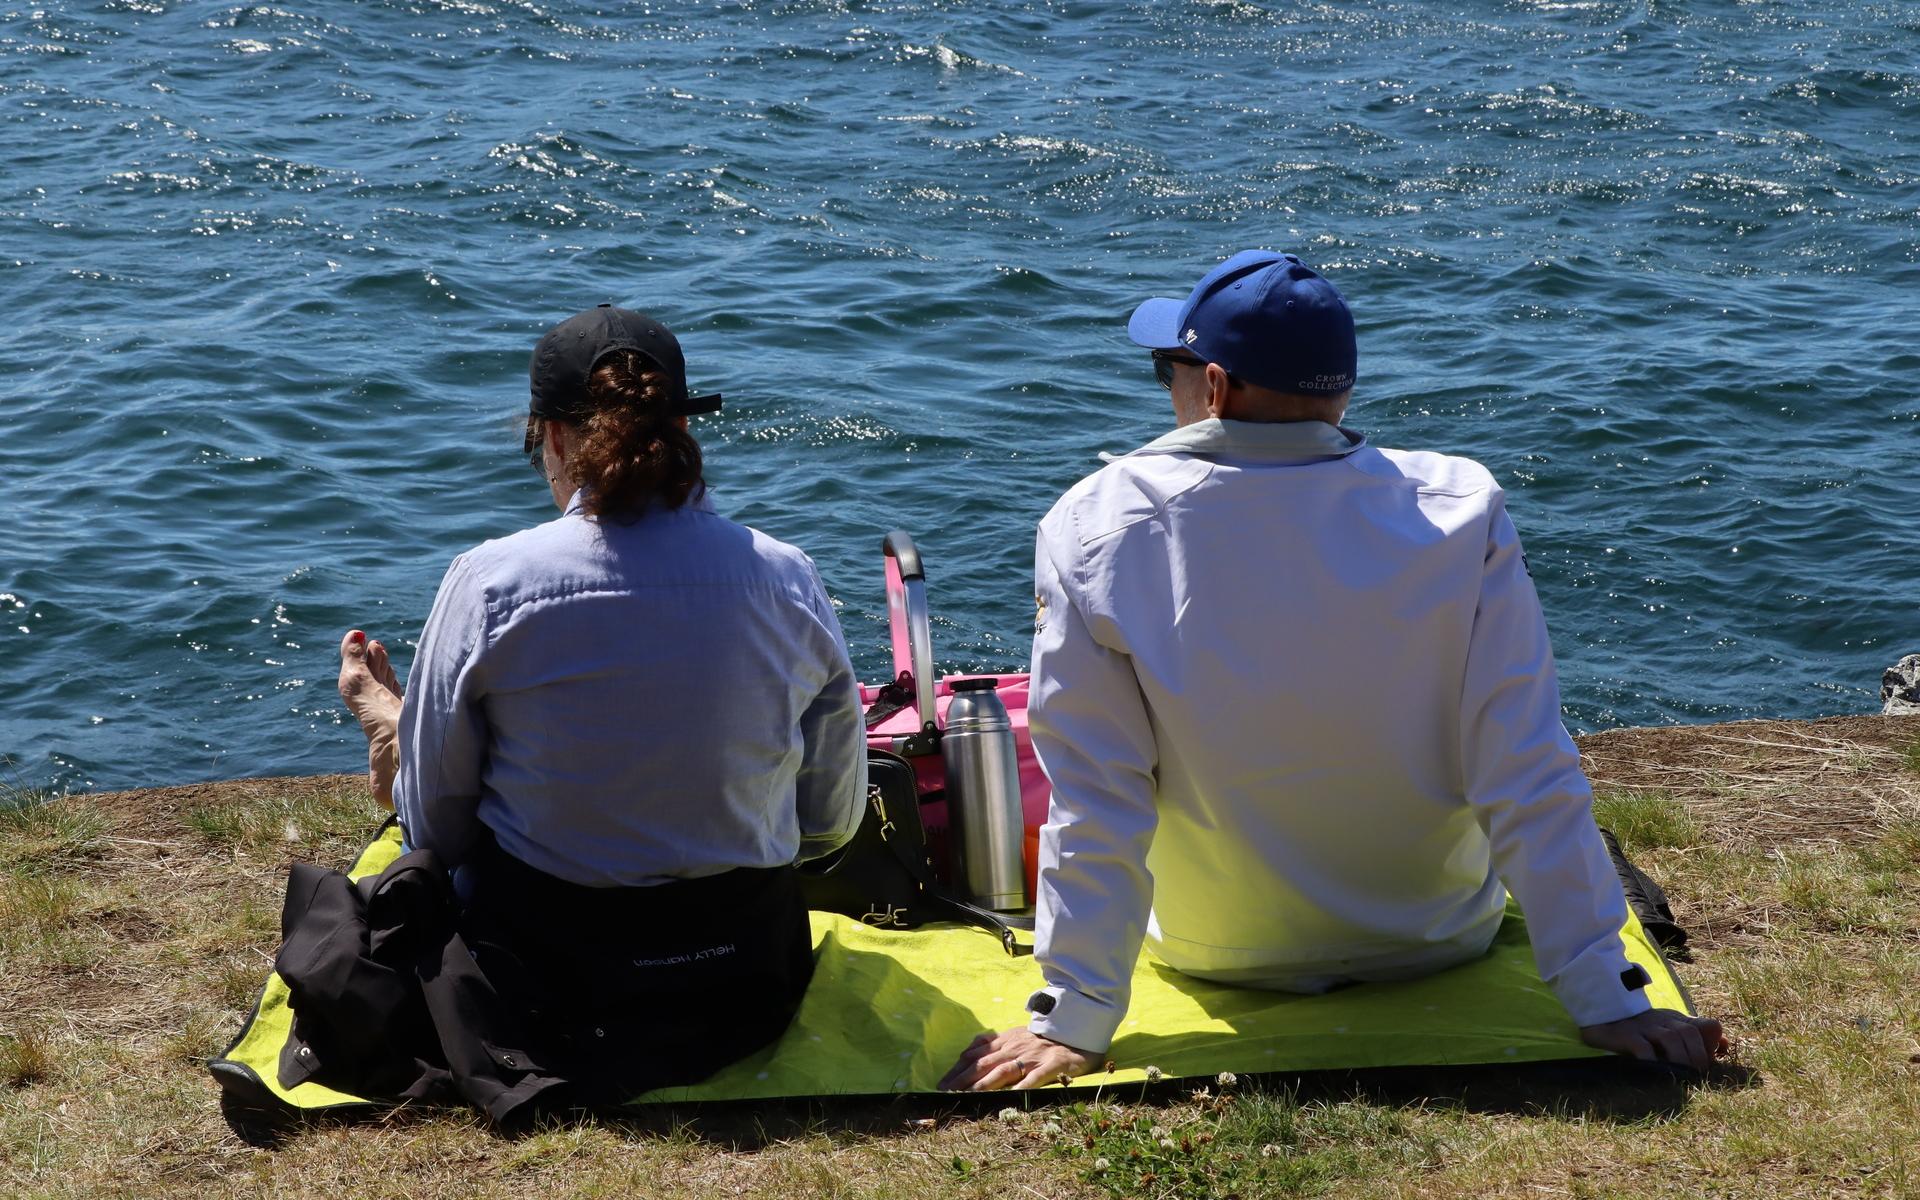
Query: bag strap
{"points": [[959, 909], [953, 907]]}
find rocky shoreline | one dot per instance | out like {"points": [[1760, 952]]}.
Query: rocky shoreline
{"points": [[1900, 688]]}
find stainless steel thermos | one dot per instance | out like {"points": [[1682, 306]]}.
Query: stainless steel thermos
{"points": [[984, 813]]}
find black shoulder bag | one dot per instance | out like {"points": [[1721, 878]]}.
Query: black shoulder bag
{"points": [[884, 875]]}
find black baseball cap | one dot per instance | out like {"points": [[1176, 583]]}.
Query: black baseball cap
{"points": [[568, 353]]}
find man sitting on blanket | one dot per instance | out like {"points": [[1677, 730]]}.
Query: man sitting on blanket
{"points": [[1297, 703]]}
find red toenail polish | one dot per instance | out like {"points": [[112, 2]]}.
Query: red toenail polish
{"points": [[356, 636]]}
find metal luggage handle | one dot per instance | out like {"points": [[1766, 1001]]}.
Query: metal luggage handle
{"points": [[911, 629]]}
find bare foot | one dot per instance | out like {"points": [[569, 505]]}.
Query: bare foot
{"points": [[382, 667], [372, 695]]}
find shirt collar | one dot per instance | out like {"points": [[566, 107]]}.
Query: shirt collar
{"points": [[1256, 441], [700, 501]]}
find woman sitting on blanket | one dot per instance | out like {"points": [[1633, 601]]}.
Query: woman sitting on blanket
{"points": [[621, 730]]}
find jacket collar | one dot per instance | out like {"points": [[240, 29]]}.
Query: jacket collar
{"points": [[1255, 441]]}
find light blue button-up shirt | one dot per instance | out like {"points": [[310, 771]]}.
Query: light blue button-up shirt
{"points": [[623, 704]]}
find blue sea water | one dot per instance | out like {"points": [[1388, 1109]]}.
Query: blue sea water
{"points": [[271, 273]]}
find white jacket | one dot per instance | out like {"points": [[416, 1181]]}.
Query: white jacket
{"points": [[1296, 693]]}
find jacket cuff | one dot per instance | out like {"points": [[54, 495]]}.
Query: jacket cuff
{"points": [[1602, 985], [1067, 1017]]}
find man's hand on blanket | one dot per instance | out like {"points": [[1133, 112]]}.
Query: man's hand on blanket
{"points": [[1661, 1035], [1019, 1059]]}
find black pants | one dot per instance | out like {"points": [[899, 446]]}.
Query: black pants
{"points": [[620, 990], [539, 995]]}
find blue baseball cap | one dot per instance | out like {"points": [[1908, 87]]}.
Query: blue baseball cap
{"points": [[1266, 318]]}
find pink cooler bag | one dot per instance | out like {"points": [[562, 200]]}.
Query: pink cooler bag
{"points": [[903, 714]]}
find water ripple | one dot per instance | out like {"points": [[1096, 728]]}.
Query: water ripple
{"points": [[273, 270]]}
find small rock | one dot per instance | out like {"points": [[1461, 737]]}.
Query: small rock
{"points": [[1900, 688]]}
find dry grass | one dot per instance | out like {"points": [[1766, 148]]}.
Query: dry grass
{"points": [[135, 927], [24, 1060], [1771, 782]]}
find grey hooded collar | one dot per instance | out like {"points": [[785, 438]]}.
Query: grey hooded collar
{"points": [[1255, 441]]}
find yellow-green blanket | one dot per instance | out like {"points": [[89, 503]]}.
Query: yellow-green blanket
{"points": [[888, 1011]]}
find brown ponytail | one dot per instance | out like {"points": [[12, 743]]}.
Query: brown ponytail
{"points": [[629, 449]]}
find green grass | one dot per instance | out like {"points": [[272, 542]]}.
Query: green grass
{"points": [[1886, 862], [304, 822], [1645, 820], [40, 829], [1231, 1139], [200, 1037], [236, 981], [1863, 889], [38, 914]]}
